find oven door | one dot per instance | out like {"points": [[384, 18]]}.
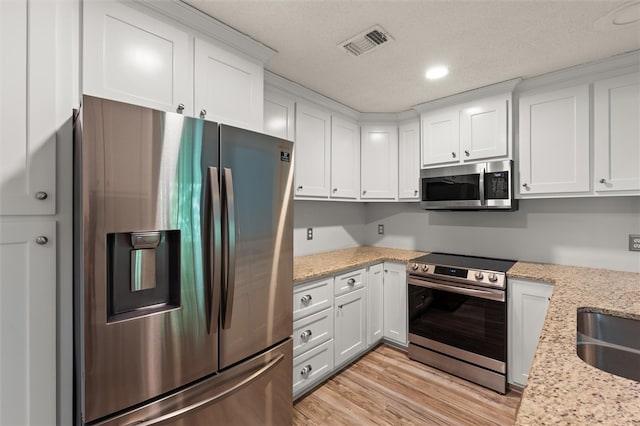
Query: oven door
{"points": [[465, 322]]}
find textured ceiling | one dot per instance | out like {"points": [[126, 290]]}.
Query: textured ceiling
{"points": [[482, 42]]}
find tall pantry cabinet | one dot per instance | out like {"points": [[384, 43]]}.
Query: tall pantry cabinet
{"points": [[38, 82]]}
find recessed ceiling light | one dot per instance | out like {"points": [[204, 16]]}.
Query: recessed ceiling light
{"points": [[436, 72], [620, 17]]}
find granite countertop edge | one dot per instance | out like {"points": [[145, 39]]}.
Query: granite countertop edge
{"points": [[561, 389]]}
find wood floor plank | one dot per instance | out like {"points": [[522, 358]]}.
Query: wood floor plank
{"points": [[385, 387]]}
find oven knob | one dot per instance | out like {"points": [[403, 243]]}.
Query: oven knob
{"points": [[493, 278], [479, 275], [425, 268], [414, 266]]}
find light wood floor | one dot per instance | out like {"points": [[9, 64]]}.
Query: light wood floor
{"points": [[385, 387]]}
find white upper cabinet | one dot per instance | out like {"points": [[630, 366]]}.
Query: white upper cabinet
{"points": [[471, 131], [440, 137], [132, 57], [409, 160], [617, 133], [312, 152], [345, 158], [484, 129], [228, 87], [279, 116], [554, 141], [379, 162], [28, 105]]}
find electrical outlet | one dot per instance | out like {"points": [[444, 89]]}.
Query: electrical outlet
{"points": [[634, 242], [309, 233], [380, 229]]}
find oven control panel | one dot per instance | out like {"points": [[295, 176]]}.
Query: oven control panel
{"points": [[477, 277]]}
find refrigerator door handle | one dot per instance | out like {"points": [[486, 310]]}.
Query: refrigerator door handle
{"points": [[214, 264], [175, 415], [230, 248]]}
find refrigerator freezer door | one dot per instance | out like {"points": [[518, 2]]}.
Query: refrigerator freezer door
{"points": [[256, 392], [144, 172], [257, 310]]}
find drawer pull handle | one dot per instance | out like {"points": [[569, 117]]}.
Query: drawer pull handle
{"points": [[305, 335], [351, 281], [41, 195], [306, 299], [306, 370]]}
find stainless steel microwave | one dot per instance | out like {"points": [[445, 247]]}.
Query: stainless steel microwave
{"points": [[480, 186]]}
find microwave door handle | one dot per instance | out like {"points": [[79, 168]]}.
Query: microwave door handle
{"points": [[230, 248], [214, 261], [481, 184]]}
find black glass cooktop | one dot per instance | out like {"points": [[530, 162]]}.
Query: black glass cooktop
{"points": [[469, 262]]}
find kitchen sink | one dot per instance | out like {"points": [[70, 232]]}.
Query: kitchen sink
{"points": [[609, 343]]}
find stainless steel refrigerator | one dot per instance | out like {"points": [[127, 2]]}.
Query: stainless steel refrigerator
{"points": [[183, 270]]}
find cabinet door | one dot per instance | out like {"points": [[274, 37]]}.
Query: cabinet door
{"points": [[379, 162], [617, 133], [345, 158], [484, 129], [28, 105], [528, 302], [409, 161], [440, 137], [350, 326], [228, 88], [132, 57], [375, 304], [28, 323], [312, 152], [278, 116], [554, 141], [395, 303]]}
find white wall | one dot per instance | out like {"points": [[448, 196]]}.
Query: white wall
{"points": [[580, 231], [335, 225]]}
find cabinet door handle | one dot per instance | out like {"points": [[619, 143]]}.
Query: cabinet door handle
{"points": [[41, 195], [453, 154], [525, 185], [180, 108], [203, 113], [299, 188], [306, 299], [306, 370], [603, 180], [364, 192], [466, 153], [415, 192], [335, 190], [305, 335], [351, 281], [42, 240]]}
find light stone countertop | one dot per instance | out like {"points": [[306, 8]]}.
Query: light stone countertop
{"points": [[333, 262], [562, 389]]}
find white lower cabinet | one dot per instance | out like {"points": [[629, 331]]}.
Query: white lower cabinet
{"points": [[527, 305], [312, 367], [395, 302], [350, 326], [375, 304], [28, 323]]}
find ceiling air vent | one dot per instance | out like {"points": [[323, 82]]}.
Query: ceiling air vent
{"points": [[366, 41]]}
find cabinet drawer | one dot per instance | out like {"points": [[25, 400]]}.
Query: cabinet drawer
{"points": [[349, 281], [312, 367], [311, 331], [312, 297]]}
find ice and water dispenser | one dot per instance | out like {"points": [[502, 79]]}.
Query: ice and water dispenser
{"points": [[143, 273]]}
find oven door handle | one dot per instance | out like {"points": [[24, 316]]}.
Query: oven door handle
{"points": [[497, 295]]}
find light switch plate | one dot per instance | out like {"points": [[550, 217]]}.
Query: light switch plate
{"points": [[381, 229], [309, 233], [634, 242]]}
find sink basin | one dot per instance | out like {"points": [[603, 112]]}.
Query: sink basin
{"points": [[609, 343]]}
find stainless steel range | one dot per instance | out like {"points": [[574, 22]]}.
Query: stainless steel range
{"points": [[458, 316]]}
